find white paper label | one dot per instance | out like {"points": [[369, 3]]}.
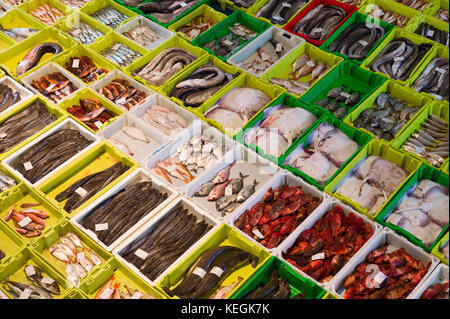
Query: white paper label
{"points": [[399, 58], [24, 222], [199, 272], [116, 46], [311, 63], [258, 233], [29, 270], [141, 254], [47, 280], [217, 271], [26, 293], [318, 256], [430, 33], [363, 43], [101, 227], [228, 42], [287, 5], [183, 4], [442, 71], [136, 295], [3, 135], [228, 191], [279, 47], [379, 278], [81, 191], [76, 63], [317, 30], [98, 124], [106, 294], [28, 166], [443, 16]]}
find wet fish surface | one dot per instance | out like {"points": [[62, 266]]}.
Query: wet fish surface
{"points": [[91, 112], [6, 182], [47, 14], [428, 31], [54, 86], [123, 93], [142, 35], [388, 16], [434, 79], [110, 16], [340, 100], [18, 34], [28, 222], [84, 68], [120, 54], [165, 120], [280, 12], [32, 58], [8, 96], [84, 33], [166, 11], [197, 26]]}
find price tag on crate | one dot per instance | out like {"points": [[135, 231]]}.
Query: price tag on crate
{"points": [[363, 43], [26, 293], [217, 271], [30, 271], [99, 124], [47, 280], [319, 256], [24, 222], [101, 227], [258, 233], [141, 254], [199, 272], [28, 166], [81, 191], [75, 63]]}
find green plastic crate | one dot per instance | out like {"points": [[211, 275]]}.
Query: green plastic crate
{"points": [[244, 80], [221, 29], [14, 270], [122, 275], [297, 283], [284, 99], [437, 51], [78, 52], [356, 18], [60, 115], [445, 167], [260, 3], [381, 149], [171, 43], [165, 90], [18, 19], [204, 10], [424, 172], [397, 91], [437, 248], [25, 194], [88, 93], [100, 157], [438, 24], [93, 6], [359, 137], [10, 242], [437, 4], [397, 33], [51, 237], [388, 5], [74, 293], [284, 67], [224, 235], [110, 39], [348, 74], [30, 5], [5, 42], [11, 58], [435, 108]]}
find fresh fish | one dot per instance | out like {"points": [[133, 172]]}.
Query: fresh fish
{"points": [[18, 34], [32, 58], [135, 133], [223, 292], [223, 175], [205, 189], [218, 191], [237, 183], [225, 201], [246, 192], [124, 148]]}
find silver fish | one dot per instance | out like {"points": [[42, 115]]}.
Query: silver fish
{"points": [[246, 192], [205, 189]]}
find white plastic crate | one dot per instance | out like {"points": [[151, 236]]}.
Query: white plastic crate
{"points": [[439, 275]]}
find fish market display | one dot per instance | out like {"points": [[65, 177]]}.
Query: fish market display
{"points": [[263, 58], [142, 35], [165, 120], [373, 183], [275, 217], [138, 137], [387, 119], [117, 214], [47, 14], [280, 127], [91, 112], [230, 43], [200, 85], [111, 290], [442, 14], [226, 259], [18, 34], [29, 222], [388, 16], [54, 150], [84, 33], [84, 68], [339, 101], [428, 31], [399, 58], [423, 212], [280, 12], [324, 249], [327, 149], [173, 234], [434, 79], [227, 192], [40, 286], [225, 291], [414, 4], [123, 93], [401, 271], [83, 189], [276, 288], [79, 259], [165, 65], [6, 182], [320, 21], [110, 16], [355, 3], [444, 250], [196, 26], [120, 54], [244, 3], [430, 141], [24, 124], [304, 66], [166, 11], [32, 58], [54, 86], [8, 97], [357, 40], [237, 107], [75, 3], [436, 291], [200, 152]]}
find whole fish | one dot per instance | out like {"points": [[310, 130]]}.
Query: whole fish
{"points": [[225, 201], [246, 192], [124, 148], [223, 175], [15, 289], [223, 292], [18, 34], [218, 191], [34, 274], [135, 133], [32, 58], [237, 183], [205, 189]]}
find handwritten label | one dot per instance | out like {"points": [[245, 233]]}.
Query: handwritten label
{"points": [[318, 256], [76, 63], [258, 233], [430, 33], [363, 43], [98, 124], [101, 227], [379, 278], [141, 254], [47, 280], [199, 272], [26, 293], [30, 271], [81, 191], [28, 166], [228, 42], [183, 4], [228, 191], [24, 222], [217, 271], [279, 47], [136, 295], [3, 135]]}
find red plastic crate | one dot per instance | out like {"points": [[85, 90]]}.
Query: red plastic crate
{"points": [[348, 8]]}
